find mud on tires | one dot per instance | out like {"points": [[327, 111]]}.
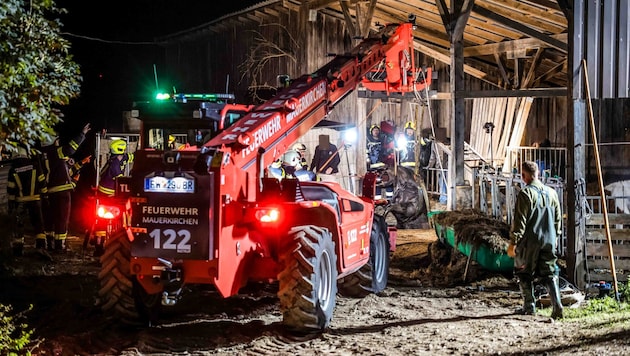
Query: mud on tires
{"points": [[308, 281], [373, 276], [122, 297]]}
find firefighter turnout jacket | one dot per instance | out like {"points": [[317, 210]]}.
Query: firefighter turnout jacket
{"points": [[56, 166], [26, 181], [113, 169]]}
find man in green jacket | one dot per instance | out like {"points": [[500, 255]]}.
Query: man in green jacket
{"points": [[533, 239]]}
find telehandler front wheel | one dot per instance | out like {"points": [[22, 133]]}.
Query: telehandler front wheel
{"points": [[373, 276], [122, 297], [308, 282]]}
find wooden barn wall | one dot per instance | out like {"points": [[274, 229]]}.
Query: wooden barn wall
{"points": [[212, 61]]}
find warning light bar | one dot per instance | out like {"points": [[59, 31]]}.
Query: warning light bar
{"points": [[182, 98]]}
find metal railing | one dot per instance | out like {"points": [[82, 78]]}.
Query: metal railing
{"points": [[497, 194], [551, 160]]}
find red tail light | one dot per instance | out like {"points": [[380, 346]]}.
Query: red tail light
{"points": [[107, 211], [268, 215]]}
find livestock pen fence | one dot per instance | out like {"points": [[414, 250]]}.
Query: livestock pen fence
{"points": [[597, 256]]}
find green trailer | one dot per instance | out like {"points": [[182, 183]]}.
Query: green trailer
{"points": [[480, 253]]}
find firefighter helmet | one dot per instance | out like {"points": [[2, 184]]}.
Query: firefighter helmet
{"points": [[171, 139], [374, 126], [291, 158], [299, 147], [118, 147], [410, 125]]}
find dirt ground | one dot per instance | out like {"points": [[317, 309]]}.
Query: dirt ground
{"points": [[426, 309]]}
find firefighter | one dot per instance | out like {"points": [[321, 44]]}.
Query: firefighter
{"points": [[375, 147], [292, 167], [173, 144], [60, 187], [114, 167], [407, 145], [301, 149], [275, 170], [26, 183]]}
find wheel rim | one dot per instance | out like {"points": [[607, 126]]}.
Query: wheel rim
{"points": [[325, 283]]}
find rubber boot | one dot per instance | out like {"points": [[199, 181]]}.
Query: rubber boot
{"points": [[529, 305], [99, 250], [18, 247], [60, 246], [40, 244], [50, 242], [554, 295]]}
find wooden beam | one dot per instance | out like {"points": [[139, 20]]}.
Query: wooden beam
{"points": [[559, 68], [461, 19], [270, 11], [443, 56], [364, 18], [320, 4], [510, 46], [354, 31], [530, 11], [532, 69], [545, 3], [445, 15], [497, 58], [518, 93], [521, 28]]}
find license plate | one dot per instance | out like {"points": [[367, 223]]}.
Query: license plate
{"points": [[169, 185]]}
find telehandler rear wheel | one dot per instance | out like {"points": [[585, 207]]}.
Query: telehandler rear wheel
{"points": [[373, 276], [122, 297], [308, 282]]}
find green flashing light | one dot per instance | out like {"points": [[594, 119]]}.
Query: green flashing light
{"points": [[162, 96]]}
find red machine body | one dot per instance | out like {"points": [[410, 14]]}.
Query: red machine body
{"points": [[211, 216]]}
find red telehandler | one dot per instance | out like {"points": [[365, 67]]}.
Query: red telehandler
{"points": [[212, 216]]}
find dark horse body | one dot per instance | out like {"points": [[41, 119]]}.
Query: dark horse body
{"points": [[408, 205]]}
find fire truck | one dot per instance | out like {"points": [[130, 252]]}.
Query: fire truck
{"points": [[211, 215]]}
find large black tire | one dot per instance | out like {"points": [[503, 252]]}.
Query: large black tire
{"points": [[308, 282], [373, 276], [122, 297]]}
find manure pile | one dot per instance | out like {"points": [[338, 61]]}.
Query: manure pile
{"points": [[474, 227]]}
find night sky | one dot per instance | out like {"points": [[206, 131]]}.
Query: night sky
{"points": [[110, 43]]}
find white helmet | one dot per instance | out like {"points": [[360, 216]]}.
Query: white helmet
{"points": [[299, 147], [291, 158]]}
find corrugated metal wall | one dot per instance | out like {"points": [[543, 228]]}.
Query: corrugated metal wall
{"points": [[607, 47]]}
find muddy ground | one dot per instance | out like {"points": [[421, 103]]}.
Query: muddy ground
{"points": [[427, 309]]}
